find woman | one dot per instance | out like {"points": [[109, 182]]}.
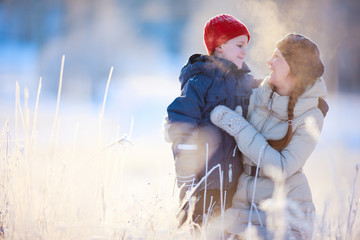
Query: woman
{"points": [[281, 131]]}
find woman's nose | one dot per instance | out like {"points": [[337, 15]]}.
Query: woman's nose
{"points": [[269, 61]]}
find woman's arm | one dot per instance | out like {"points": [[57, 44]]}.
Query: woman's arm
{"points": [[290, 159]]}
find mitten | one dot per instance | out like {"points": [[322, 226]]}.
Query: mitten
{"points": [[230, 121]]}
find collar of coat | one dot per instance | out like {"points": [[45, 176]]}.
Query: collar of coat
{"points": [[209, 65], [308, 100]]}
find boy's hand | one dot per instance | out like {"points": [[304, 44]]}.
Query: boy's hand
{"points": [[230, 121], [187, 182], [186, 185]]}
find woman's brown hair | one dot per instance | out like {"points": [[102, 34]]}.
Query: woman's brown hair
{"points": [[303, 57], [283, 142]]}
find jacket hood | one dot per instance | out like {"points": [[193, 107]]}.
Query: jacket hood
{"points": [[308, 100], [208, 65]]}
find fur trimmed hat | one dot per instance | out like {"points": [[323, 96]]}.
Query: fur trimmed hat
{"points": [[222, 28], [303, 57]]}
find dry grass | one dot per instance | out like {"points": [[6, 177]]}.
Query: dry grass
{"points": [[67, 177]]}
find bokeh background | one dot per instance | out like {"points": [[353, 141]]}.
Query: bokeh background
{"points": [[147, 42]]}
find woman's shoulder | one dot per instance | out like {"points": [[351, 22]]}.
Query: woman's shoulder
{"points": [[311, 121]]}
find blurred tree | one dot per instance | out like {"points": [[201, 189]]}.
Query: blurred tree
{"points": [[98, 34], [33, 21], [349, 46], [335, 26]]}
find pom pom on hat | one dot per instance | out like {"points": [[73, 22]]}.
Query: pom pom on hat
{"points": [[222, 28]]}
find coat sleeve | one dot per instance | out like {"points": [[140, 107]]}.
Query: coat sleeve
{"points": [[185, 112], [184, 115], [290, 159]]}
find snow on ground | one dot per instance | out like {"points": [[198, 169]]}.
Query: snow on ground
{"points": [[88, 163], [332, 162], [331, 168]]}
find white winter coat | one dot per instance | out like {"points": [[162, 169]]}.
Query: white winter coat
{"points": [[268, 120]]}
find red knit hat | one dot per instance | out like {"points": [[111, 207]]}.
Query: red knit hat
{"points": [[221, 29]]}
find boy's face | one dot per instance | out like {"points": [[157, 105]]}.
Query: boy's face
{"points": [[234, 50]]}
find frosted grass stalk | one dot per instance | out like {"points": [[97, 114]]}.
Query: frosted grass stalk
{"points": [[279, 210], [131, 127], [221, 200], [322, 227], [254, 190], [206, 170], [200, 182], [101, 116], [350, 222], [58, 98], [106, 93], [18, 109], [26, 112], [27, 130], [36, 111]]}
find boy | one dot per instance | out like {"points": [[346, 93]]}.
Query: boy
{"points": [[220, 78]]}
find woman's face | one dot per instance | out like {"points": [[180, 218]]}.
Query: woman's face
{"points": [[280, 72]]}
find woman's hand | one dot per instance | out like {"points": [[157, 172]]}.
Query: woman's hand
{"points": [[230, 121]]}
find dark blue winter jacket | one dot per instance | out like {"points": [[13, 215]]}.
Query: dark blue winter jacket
{"points": [[206, 82]]}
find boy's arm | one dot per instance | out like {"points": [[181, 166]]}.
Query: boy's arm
{"points": [[185, 113], [184, 116], [256, 82]]}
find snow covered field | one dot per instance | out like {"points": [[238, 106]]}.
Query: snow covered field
{"points": [[83, 176], [81, 169]]}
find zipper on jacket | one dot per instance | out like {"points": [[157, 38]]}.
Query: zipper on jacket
{"points": [[269, 108], [270, 101], [234, 151], [249, 189], [230, 173]]}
